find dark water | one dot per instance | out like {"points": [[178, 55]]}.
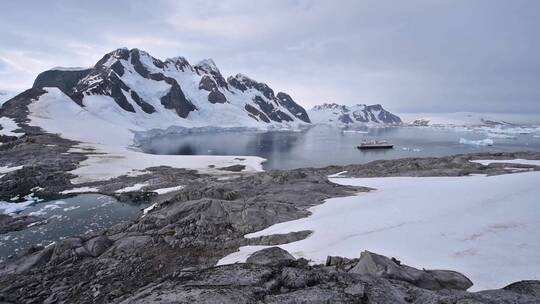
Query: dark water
{"points": [[85, 213], [323, 145]]}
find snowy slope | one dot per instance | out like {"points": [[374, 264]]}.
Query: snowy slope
{"points": [[111, 136], [469, 118], [331, 113], [133, 88], [484, 227]]}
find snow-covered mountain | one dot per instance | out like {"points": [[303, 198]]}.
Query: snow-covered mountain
{"points": [[131, 87], [332, 113]]}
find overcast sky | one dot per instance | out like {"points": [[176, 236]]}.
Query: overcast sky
{"points": [[409, 55]]}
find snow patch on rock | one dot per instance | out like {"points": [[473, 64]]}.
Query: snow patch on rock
{"points": [[470, 226]]}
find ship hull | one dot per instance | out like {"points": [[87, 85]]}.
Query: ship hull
{"points": [[375, 147]]}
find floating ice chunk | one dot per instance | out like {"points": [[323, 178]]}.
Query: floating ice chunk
{"points": [[71, 208], [355, 131], [500, 135], [480, 142], [13, 208]]}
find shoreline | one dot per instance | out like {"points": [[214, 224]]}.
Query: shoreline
{"points": [[207, 219]]}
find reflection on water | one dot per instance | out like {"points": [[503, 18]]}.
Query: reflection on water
{"points": [[324, 145]]}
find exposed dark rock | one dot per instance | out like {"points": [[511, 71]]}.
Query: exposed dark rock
{"points": [[271, 111], [273, 256], [10, 223], [295, 109], [529, 288], [208, 67], [378, 265], [17, 107], [45, 175], [353, 114], [66, 81], [146, 107], [168, 255], [233, 168], [345, 118], [207, 83], [97, 245], [235, 83], [217, 97], [180, 63], [256, 114], [176, 100]]}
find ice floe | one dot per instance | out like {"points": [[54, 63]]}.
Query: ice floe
{"points": [[479, 142]]}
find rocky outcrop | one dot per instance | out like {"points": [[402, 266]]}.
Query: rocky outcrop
{"points": [[297, 282], [378, 265], [170, 253], [271, 281], [273, 256], [10, 223]]}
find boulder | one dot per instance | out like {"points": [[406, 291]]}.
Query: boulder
{"points": [[96, 246], [273, 256], [378, 265], [528, 287], [27, 262]]}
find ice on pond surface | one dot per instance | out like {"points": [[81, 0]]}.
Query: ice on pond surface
{"points": [[84, 213]]}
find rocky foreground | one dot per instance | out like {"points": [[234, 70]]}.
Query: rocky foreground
{"points": [[168, 255]]}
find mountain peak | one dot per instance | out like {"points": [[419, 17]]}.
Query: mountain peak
{"points": [[359, 113], [207, 65], [144, 90], [180, 63]]}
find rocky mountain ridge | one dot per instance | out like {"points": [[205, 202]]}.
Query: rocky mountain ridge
{"points": [[144, 86], [332, 113], [134, 89]]}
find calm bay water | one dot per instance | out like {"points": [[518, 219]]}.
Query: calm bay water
{"points": [[324, 145], [316, 147]]}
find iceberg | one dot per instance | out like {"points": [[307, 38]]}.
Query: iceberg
{"points": [[480, 142]]}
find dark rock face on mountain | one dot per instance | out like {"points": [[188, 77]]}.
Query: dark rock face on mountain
{"points": [[335, 113], [280, 107], [138, 82], [286, 101]]}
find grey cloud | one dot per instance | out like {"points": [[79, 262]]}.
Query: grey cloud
{"points": [[418, 55]]}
